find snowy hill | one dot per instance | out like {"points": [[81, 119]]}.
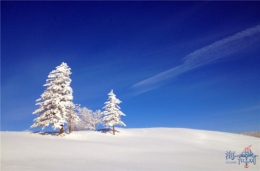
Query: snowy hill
{"points": [[130, 149]]}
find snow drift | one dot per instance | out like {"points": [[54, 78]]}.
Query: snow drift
{"points": [[130, 149]]}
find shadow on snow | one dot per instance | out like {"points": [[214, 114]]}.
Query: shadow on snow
{"points": [[104, 131], [45, 133]]}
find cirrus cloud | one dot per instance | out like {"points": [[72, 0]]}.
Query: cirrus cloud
{"points": [[206, 55]]}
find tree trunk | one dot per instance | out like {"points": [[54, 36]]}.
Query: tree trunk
{"points": [[113, 129], [70, 127], [61, 130]]}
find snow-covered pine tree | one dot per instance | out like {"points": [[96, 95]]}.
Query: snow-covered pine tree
{"points": [[112, 113], [56, 106]]}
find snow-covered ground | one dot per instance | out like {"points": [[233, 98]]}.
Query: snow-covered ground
{"points": [[162, 149]]}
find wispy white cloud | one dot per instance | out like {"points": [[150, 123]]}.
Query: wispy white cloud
{"points": [[206, 55], [248, 110]]}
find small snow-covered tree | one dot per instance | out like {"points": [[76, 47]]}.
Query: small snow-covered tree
{"points": [[95, 120], [88, 119], [112, 113], [56, 106], [73, 117]]}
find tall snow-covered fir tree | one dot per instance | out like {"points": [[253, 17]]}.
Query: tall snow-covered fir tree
{"points": [[112, 113], [56, 106]]}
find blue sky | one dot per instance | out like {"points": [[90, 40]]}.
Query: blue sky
{"points": [[172, 64]]}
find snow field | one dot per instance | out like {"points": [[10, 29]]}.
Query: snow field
{"points": [[130, 149]]}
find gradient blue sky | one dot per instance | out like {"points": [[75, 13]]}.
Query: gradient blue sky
{"points": [[172, 64]]}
